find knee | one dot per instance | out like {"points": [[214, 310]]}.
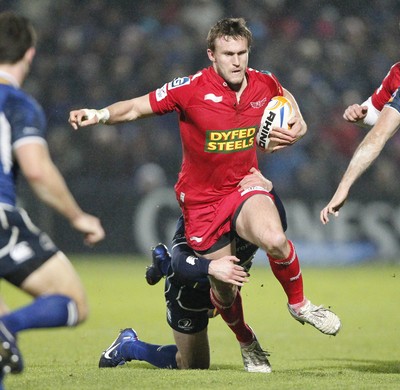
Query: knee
{"points": [[82, 311], [276, 245], [78, 308]]}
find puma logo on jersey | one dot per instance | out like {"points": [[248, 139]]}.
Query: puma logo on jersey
{"points": [[197, 239], [212, 97]]}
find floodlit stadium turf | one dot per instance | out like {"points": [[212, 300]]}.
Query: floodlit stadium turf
{"points": [[364, 355]]}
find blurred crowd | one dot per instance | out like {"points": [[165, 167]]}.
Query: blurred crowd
{"points": [[329, 54]]}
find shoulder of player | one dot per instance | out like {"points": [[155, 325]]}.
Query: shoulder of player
{"points": [[190, 80], [395, 67], [393, 76], [261, 75], [19, 100], [24, 113]]}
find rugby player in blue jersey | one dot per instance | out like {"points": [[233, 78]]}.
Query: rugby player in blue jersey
{"points": [[28, 258]]}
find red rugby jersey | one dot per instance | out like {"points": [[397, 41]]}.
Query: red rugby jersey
{"points": [[217, 132], [389, 86]]}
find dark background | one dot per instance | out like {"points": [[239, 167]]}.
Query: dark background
{"points": [[91, 53]]}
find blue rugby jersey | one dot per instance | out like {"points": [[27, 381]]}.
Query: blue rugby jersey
{"points": [[22, 121]]}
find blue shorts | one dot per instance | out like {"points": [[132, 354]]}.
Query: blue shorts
{"points": [[23, 246], [187, 307]]}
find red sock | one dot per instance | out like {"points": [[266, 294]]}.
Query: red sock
{"points": [[288, 272], [234, 318]]}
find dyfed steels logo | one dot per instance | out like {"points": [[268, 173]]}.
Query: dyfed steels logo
{"points": [[229, 141]]}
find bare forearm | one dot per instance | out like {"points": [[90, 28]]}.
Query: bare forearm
{"points": [[371, 146], [364, 156], [119, 112], [123, 111], [51, 188]]}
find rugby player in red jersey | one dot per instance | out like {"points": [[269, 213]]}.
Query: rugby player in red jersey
{"points": [[219, 110]]}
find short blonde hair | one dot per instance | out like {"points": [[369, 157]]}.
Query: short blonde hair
{"points": [[232, 27]]}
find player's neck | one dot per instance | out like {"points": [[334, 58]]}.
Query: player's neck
{"points": [[239, 89]]}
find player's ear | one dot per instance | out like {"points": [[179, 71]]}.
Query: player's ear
{"points": [[30, 54], [210, 54]]}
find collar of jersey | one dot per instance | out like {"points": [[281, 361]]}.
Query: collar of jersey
{"points": [[7, 78]]}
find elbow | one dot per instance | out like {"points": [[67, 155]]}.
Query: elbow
{"points": [[34, 176]]}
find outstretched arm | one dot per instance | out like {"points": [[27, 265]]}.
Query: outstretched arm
{"points": [[369, 149], [122, 111]]}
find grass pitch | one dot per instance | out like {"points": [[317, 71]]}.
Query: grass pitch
{"points": [[364, 355]]}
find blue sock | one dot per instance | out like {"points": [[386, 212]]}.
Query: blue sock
{"points": [[47, 311], [161, 356]]}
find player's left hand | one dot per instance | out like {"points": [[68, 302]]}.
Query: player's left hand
{"points": [[255, 179], [283, 138], [227, 270]]}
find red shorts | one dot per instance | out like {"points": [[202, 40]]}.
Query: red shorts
{"points": [[205, 225]]}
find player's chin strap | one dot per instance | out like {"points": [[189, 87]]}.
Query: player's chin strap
{"points": [[102, 115]]}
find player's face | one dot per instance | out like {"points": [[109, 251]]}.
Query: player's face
{"points": [[230, 59]]}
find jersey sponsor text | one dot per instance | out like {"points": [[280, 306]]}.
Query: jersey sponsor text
{"points": [[228, 141]]}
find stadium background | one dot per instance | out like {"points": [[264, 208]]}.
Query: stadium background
{"points": [[327, 53]]}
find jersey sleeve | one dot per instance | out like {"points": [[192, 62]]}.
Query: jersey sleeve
{"points": [[27, 120], [171, 96], [389, 85]]}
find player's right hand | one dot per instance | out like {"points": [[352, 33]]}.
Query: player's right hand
{"points": [[87, 116], [355, 113], [334, 205], [90, 226]]}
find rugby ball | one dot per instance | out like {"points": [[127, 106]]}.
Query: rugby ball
{"points": [[276, 114]]}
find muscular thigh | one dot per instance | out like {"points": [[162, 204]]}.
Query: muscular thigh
{"points": [[55, 276], [258, 219], [208, 228]]}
